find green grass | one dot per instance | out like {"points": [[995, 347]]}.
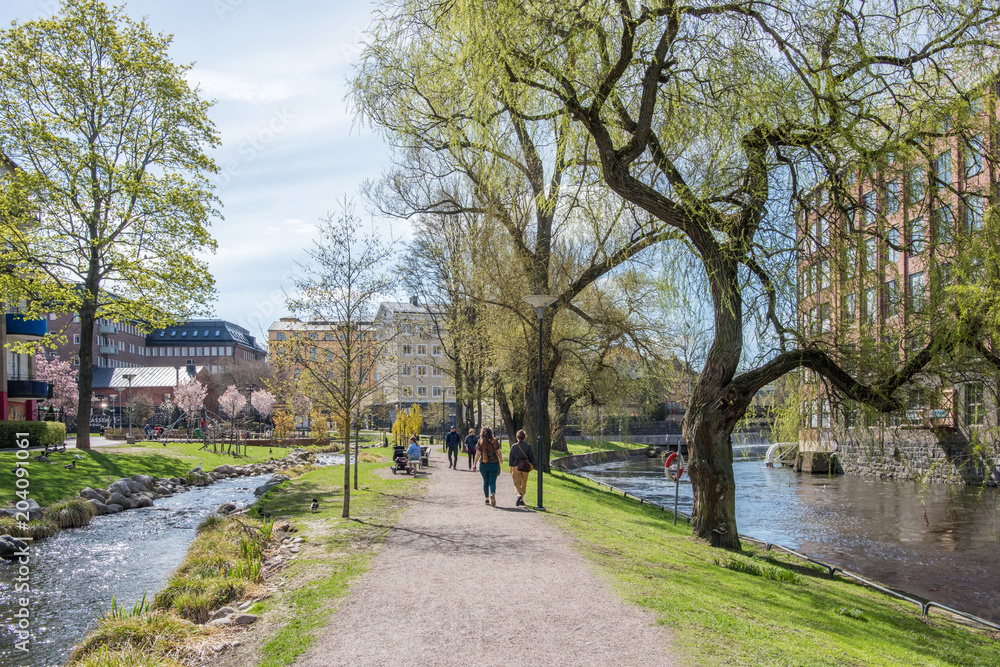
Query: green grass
{"points": [[345, 547], [588, 446], [50, 482], [755, 608]]}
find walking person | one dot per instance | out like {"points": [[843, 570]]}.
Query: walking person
{"points": [[470, 448], [451, 442], [521, 462], [490, 456]]}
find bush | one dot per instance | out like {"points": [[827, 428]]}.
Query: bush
{"points": [[126, 657], [40, 434], [154, 635], [74, 513], [36, 530]]}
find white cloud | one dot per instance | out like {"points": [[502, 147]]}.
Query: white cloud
{"points": [[226, 86]]}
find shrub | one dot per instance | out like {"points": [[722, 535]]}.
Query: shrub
{"points": [[212, 522], [126, 657], [40, 434], [34, 529], [194, 606], [152, 635], [73, 513]]}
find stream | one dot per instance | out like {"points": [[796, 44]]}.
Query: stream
{"points": [[74, 574], [938, 541]]}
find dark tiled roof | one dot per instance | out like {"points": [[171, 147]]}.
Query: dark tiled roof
{"points": [[203, 331]]}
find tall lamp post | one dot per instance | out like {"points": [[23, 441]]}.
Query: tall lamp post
{"points": [[129, 377], [540, 302]]}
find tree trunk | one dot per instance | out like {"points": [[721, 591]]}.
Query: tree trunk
{"points": [[510, 420], [85, 378], [347, 466], [564, 404]]}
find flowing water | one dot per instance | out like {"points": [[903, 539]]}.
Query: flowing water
{"points": [[74, 574], [937, 541]]}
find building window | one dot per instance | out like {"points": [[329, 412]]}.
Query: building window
{"points": [[892, 196], [435, 350], [824, 317], [422, 392], [407, 349], [76, 339], [407, 392], [891, 298], [892, 253], [229, 351], [918, 178], [869, 204], [421, 371], [451, 392], [824, 275], [942, 167], [917, 236], [436, 392], [279, 336], [850, 262], [406, 370], [328, 336], [916, 290], [974, 404], [942, 218], [973, 213], [75, 359], [850, 309], [421, 350], [871, 304], [871, 254], [330, 355], [435, 372], [974, 156]]}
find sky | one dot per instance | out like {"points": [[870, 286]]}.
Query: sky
{"points": [[291, 145]]}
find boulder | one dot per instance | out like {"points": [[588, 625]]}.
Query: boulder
{"points": [[9, 546], [90, 494], [99, 506], [145, 480], [225, 469], [163, 491], [221, 622], [226, 508], [244, 619], [35, 511], [115, 508], [141, 501], [120, 500], [104, 493], [279, 478], [121, 487], [220, 613]]}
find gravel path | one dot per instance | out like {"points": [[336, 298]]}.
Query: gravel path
{"points": [[442, 592]]}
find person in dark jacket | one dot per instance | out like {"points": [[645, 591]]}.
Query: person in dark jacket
{"points": [[451, 442], [471, 441], [520, 451]]}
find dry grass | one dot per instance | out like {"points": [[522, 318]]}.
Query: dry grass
{"points": [[34, 529], [74, 513]]}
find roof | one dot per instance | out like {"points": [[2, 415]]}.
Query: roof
{"points": [[292, 324], [203, 331], [145, 376], [411, 309]]}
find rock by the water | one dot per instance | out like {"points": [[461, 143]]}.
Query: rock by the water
{"points": [[163, 491], [145, 480], [101, 507], [115, 508], [120, 500], [221, 622], [244, 619], [225, 611], [225, 468], [141, 501], [121, 487], [10, 546], [90, 494], [226, 508]]}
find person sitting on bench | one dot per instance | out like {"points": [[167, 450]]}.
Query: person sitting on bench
{"points": [[413, 451]]}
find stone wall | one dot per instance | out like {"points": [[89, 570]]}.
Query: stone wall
{"points": [[918, 454]]}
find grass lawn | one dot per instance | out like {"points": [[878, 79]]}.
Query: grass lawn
{"points": [[587, 446], [50, 482], [788, 613], [339, 550]]}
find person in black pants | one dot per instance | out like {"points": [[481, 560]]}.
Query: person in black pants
{"points": [[451, 442], [470, 447]]}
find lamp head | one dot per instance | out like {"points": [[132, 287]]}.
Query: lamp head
{"points": [[540, 302]]}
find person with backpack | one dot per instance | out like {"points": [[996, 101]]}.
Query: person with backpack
{"points": [[470, 448], [490, 456], [521, 462], [452, 441]]}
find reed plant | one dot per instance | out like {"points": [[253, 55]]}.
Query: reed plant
{"points": [[73, 513], [36, 530]]}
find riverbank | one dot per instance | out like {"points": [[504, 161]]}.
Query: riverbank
{"points": [[752, 608]]}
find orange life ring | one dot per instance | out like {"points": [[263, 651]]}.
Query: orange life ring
{"points": [[671, 457]]}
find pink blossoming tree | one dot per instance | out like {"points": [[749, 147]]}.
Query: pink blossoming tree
{"points": [[63, 378]]}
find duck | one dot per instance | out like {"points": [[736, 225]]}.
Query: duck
{"points": [[77, 457], [41, 458], [315, 505], [70, 466]]}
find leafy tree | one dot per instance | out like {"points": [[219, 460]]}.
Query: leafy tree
{"points": [[62, 376], [341, 284], [716, 121], [284, 424], [110, 137]]}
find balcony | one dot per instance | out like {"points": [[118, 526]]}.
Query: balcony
{"points": [[36, 389], [19, 328], [108, 349], [108, 329]]}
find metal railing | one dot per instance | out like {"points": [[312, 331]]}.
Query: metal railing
{"points": [[925, 606]]}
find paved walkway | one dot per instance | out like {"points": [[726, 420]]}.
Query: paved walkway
{"points": [[461, 583]]}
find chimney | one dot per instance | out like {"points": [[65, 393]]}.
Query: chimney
{"points": [[414, 300]]}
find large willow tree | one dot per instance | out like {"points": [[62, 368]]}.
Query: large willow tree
{"points": [[109, 137], [718, 120]]}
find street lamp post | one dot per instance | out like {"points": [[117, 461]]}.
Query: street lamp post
{"points": [[540, 302], [129, 377]]}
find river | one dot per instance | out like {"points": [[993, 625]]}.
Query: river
{"points": [[937, 541], [74, 574]]}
